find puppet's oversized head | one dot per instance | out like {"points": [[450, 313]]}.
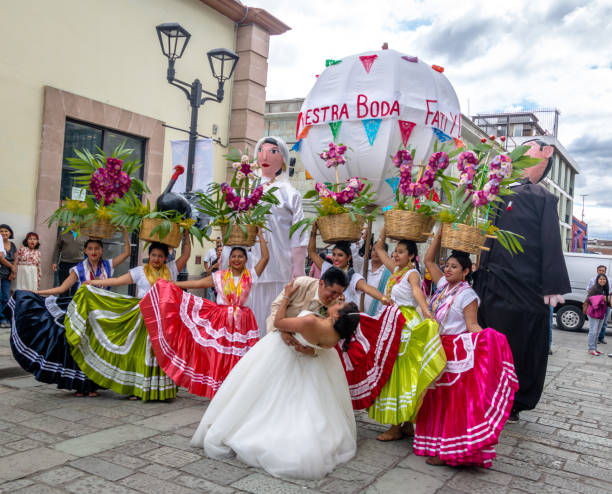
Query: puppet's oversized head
{"points": [[539, 149], [272, 156]]}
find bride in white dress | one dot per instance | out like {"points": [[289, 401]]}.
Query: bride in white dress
{"points": [[284, 411]]}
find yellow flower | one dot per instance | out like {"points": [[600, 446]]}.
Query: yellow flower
{"points": [[187, 223], [446, 217], [103, 213], [74, 206]]}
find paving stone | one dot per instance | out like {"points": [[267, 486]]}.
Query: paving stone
{"points": [[71, 414], [161, 472], [96, 485], [338, 486], [576, 485], [96, 442], [59, 475], [201, 485], [102, 468], [401, 479], [541, 448], [152, 485], [8, 437], [530, 486], [174, 420], [258, 483], [218, 472], [122, 459], [473, 484], [137, 447], [21, 382], [52, 425], [588, 438], [596, 472], [15, 485], [38, 489], [28, 462], [171, 457], [174, 441], [23, 445], [96, 423], [417, 463]]}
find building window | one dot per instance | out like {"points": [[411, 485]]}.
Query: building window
{"points": [[80, 135]]}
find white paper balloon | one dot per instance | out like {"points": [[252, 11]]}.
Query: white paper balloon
{"points": [[390, 94]]}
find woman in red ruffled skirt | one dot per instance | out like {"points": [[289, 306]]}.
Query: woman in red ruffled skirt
{"points": [[464, 411], [197, 342]]}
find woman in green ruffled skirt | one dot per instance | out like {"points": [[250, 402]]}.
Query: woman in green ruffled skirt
{"points": [[420, 358], [109, 340]]}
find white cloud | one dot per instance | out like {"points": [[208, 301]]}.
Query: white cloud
{"points": [[496, 57]]}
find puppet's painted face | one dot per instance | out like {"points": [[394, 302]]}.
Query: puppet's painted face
{"points": [[535, 172], [270, 159]]}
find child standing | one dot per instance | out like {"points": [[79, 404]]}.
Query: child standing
{"points": [[28, 264]]}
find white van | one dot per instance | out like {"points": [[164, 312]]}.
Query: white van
{"points": [[581, 268]]}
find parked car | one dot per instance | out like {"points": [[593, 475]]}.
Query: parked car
{"points": [[581, 269]]}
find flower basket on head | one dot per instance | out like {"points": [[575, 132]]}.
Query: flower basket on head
{"points": [[467, 218], [413, 215], [342, 207], [408, 225], [100, 228], [152, 230], [470, 239], [239, 207], [340, 227], [238, 236]]}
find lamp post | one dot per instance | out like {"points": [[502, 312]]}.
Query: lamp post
{"points": [[173, 39]]}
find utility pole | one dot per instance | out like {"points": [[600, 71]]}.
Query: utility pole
{"points": [[583, 196]]}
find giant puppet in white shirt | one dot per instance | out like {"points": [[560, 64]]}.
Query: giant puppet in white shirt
{"points": [[287, 253]]}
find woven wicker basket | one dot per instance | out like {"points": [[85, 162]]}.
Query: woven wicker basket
{"points": [[99, 229], [173, 239], [458, 236], [408, 225], [338, 227], [236, 236]]}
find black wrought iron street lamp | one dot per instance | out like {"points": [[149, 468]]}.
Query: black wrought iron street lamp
{"points": [[173, 39]]}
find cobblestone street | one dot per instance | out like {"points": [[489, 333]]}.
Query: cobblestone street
{"points": [[52, 442]]}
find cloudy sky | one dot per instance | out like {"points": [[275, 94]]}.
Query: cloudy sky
{"points": [[525, 54]]}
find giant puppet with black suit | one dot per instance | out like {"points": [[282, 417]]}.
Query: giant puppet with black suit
{"points": [[516, 290]]}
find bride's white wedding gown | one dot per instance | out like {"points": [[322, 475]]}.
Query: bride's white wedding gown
{"points": [[282, 411]]}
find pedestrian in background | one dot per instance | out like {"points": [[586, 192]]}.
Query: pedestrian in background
{"points": [[595, 306], [601, 269], [28, 264], [68, 252], [8, 270]]}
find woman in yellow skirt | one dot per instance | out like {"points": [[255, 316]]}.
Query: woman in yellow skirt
{"points": [[420, 358]]}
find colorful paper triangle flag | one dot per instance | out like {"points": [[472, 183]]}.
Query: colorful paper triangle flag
{"points": [[371, 126], [330, 61], [335, 128], [410, 59], [296, 146], [304, 132], [458, 142], [442, 137], [367, 61], [406, 129], [393, 183]]}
